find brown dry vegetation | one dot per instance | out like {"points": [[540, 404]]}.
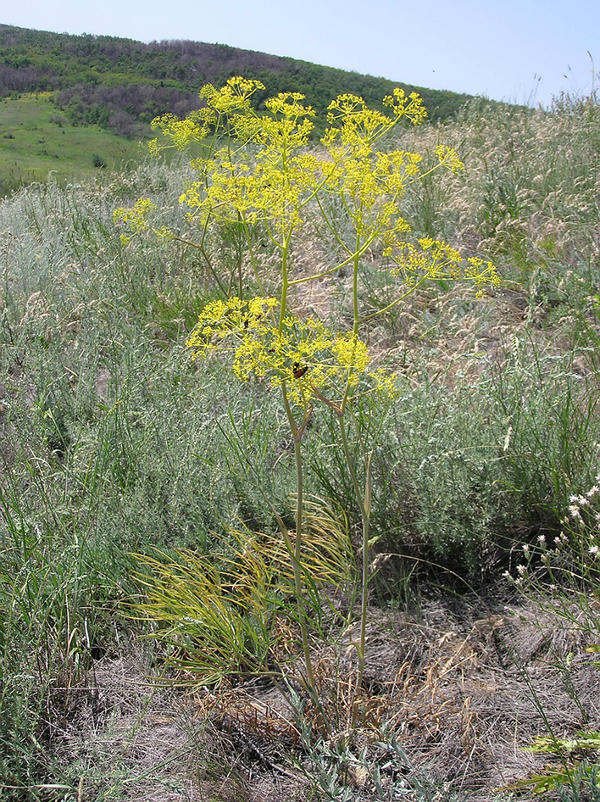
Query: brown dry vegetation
{"points": [[463, 688]]}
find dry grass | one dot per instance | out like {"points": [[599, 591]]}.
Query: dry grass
{"points": [[131, 740], [463, 687]]}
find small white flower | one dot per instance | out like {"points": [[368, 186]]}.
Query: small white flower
{"points": [[595, 550], [526, 548], [541, 538], [574, 510], [522, 569]]}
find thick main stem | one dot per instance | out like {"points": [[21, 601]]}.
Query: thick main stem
{"points": [[298, 582], [296, 554], [364, 500], [365, 514], [284, 283], [355, 266], [297, 435]]}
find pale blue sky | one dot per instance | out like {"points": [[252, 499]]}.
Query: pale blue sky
{"points": [[515, 50]]}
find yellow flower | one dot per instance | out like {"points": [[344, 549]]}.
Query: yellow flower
{"points": [[181, 132], [350, 352], [449, 158], [385, 383], [233, 97], [136, 217], [435, 259], [304, 355], [410, 106]]}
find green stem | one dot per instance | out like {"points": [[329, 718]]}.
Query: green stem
{"points": [[383, 309], [363, 499], [355, 266], [330, 270], [297, 435], [252, 254], [284, 282], [364, 504], [239, 257], [296, 553], [209, 266]]}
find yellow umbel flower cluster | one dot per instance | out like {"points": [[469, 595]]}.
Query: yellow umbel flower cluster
{"points": [[220, 320], [195, 127], [434, 259], [233, 97], [135, 218], [223, 106], [448, 157], [258, 170], [304, 355], [274, 181]]}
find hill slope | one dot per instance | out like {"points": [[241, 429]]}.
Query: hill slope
{"points": [[122, 84], [37, 140]]}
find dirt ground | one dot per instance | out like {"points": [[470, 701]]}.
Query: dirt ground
{"points": [[463, 685]]}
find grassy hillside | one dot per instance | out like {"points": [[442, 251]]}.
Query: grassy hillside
{"points": [[99, 91], [37, 141], [118, 451], [122, 83]]}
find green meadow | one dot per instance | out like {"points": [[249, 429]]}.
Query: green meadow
{"points": [[38, 142]]}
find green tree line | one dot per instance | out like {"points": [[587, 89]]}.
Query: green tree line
{"points": [[121, 84]]}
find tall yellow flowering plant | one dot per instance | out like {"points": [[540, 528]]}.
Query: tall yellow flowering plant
{"points": [[261, 169]]}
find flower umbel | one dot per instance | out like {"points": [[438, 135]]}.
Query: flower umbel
{"points": [[435, 259], [304, 355]]}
